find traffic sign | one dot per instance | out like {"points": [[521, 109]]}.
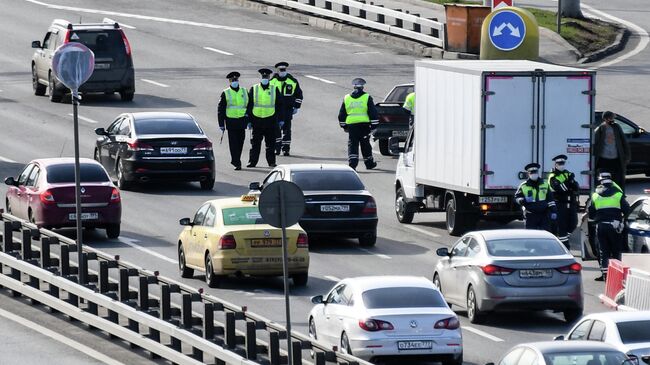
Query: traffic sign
{"points": [[73, 63], [507, 30], [272, 207], [497, 4]]}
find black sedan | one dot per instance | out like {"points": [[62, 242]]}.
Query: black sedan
{"points": [[639, 140], [337, 202], [138, 147]]}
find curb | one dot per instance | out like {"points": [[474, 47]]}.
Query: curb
{"points": [[619, 43]]}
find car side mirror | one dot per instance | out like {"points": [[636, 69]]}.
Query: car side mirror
{"points": [[646, 359], [317, 299], [185, 222], [522, 175], [11, 181], [101, 132], [254, 186], [558, 338], [640, 131], [489, 363], [36, 44], [443, 252], [393, 146], [632, 360]]}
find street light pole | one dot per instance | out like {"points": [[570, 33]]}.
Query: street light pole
{"points": [[77, 180]]}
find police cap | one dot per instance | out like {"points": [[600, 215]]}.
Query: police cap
{"points": [[560, 158], [358, 82], [282, 64], [533, 166], [265, 71], [233, 75]]}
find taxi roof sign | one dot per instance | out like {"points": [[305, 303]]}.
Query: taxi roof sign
{"points": [[248, 198]]}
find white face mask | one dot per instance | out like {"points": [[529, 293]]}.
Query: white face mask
{"points": [[282, 73], [533, 177], [559, 167]]}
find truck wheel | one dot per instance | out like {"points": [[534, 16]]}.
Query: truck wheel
{"points": [[453, 220], [402, 209], [383, 147]]}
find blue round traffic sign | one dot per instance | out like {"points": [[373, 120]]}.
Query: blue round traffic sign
{"points": [[507, 30]]}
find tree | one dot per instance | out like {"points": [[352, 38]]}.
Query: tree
{"points": [[571, 9]]}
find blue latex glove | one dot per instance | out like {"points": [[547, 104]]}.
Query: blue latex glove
{"points": [[250, 126], [553, 216], [295, 111], [530, 199], [281, 123], [222, 128]]}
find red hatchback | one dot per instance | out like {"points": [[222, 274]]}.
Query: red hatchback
{"points": [[44, 194]]}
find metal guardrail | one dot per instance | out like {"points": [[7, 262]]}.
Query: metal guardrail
{"points": [[167, 318], [359, 12], [637, 289]]}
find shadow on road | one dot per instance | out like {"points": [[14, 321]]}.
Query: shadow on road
{"points": [[384, 246]]}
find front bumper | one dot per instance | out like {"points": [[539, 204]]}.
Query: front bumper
{"points": [[344, 227], [170, 169], [443, 348], [495, 295]]}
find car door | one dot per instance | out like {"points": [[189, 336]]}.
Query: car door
{"points": [[406, 166], [581, 331], [597, 332], [638, 223], [207, 233], [331, 326], [41, 61], [104, 143], [118, 146], [448, 276], [16, 195], [196, 237], [31, 192]]}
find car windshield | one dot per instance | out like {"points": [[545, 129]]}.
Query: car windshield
{"points": [[526, 247], [398, 94], [105, 43], [634, 331], [327, 180], [402, 297], [242, 215], [166, 126], [64, 173], [585, 358]]}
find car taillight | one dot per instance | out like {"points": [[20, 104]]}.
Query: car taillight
{"points": [[374, 325], [496, 270], [203, 146], [127, 45], [370, 207], [115, 196], [227, 242], [450, 323], [47, 197], [302, 241], [574, 268], [138, 146]]}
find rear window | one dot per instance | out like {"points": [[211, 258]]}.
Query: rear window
{"points": [[64, 173], [105, 43], [327, 180], [525, 247], [398, 94], [243, 215], [166, 126], [585, 358], [406, 297], [634, 331]]}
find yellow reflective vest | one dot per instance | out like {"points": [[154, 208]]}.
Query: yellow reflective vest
{"points": [[263, 101], [236, 102], [356, 109]]}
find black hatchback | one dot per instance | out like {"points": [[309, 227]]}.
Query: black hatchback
{"points": [[138, 147]]}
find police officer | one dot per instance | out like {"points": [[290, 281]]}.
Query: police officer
{"points": [[264, 107], [231, 114], [535, 196], [358, 117], [292, 101], [409, 105], [608, 207], [565, 192]]}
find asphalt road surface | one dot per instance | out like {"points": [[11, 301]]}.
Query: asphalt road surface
{"points": [[187, 77]]}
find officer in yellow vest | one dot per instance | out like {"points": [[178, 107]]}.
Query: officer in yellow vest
{"points": [[358, 117], [264, 106], [409, 105], [608, 208], [231, 114], [565, 192], [536, 198], [291, 102]]}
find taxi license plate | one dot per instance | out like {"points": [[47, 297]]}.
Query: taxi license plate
{"points": [[84, 216], [400, 133], [414, 345], [173, 150], [334, 208], [535, 274], [266, 242]]}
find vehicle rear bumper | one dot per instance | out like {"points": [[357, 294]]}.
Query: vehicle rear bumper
{"points": [[259, 266], [57, 217], [385, 130], [124, 81], [351, 227], [172, 169], [386, 348], [566, 296]]}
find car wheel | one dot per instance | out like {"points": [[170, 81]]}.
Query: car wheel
{"points": [[186, 272], [573, 314], [122, 183], [312, 335], [127, 95], [474, 314], [54, 95], [210, 278], [39, 89], [368, 239], [453, 360], [96, 155], [383, 147], [402, 209], [438, 285], [30, 216], [113, 231], [207, 184], [8, 206], [300, 279], [345, 344]]}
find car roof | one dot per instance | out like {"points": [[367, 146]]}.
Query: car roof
{"points": [[316, 167], [229, 203], [62, 23], [161, 115], [62, 160], [386, 281], [620, 316], [496, 234], [565, 346]]}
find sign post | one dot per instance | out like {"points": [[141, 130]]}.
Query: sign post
{"points": [[73, 64]]}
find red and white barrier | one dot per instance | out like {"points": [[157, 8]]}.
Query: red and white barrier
{"points": [[616, 276]]}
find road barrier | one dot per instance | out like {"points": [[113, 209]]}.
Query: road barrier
{"points": [[377, 17], [616, 276], [637, 289], [163, 316]]}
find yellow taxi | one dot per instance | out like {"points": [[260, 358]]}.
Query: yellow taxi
{"points": [[229, 237]]}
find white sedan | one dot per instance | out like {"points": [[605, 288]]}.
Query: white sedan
{"points": [[380, 317], [629, 332]]}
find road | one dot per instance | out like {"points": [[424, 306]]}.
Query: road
{"points": [[186, 76]]}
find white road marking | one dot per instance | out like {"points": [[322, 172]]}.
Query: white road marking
{"points": [[92, 121], [109, 20], [131, 242], [369, 52], [154, 83], [380, 255], [195, 24], [218, 51], [320, 79], [481, 333], [57, 337], [4, 159], [421, 230], [331, 278]]}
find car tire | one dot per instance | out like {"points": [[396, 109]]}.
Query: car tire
{"points": [[438, 285], [474, 314], [30, 216], [122, 182], [127, 95], [96, 155], [403, 210], [300, 279], [453, 360], [211, 279], [185, 271], [207, 184], [345, 344], [383, 146], [113, 231], [572, 314], [8, 206], [55, 96], [312, 335], [457, 224], [39, 89], [368, 239]]}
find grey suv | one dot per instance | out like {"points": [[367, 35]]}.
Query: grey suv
{"points": [[113, 61]]}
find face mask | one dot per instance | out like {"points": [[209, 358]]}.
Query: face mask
{"points": [[282, 73], [559, 167], [533, 177], [265, 81], [358, 88], [234, 84]]}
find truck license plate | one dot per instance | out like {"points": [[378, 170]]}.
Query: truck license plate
{"points": [[334, 208], [414, 345], [535, 274], [84, 216], [492, 199], [173, 150], [400, 133]]}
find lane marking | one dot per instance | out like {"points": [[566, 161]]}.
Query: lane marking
{"points": [[131, 242], [109, 20], [4, 159], [380, 255], [332, 278], [481, 333], [154, 83], [369, 52], [57, 337], [218, 51], [195, 24], [421, 230], [85, 119], [320, 79]]}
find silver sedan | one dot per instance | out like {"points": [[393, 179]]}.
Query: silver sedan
{"points": [[510, 269]]}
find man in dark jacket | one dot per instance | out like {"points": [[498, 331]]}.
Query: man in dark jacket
{"points": [[536, 197], [611, 149], [231, 115], [358, 118], [565, 190], [264, 111], [292, 101]]}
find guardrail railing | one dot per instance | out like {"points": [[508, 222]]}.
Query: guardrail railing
{"points": [[167, 318], [637, 289]]}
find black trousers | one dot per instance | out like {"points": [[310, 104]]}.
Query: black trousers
{"points": [[236, 138], [610, 244], [268, 135], [613, 166], [359, 135], [538, 221], [567, 220], [283, 139]]}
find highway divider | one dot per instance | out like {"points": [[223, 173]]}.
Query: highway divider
{"points": [[637, 289]]}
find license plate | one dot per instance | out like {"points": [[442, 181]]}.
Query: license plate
{"points": [[84, 216], [334, 208], [173, 150], [102, 66], [414, 345], [492, 199], [266, 242], [535, 274], [400, 133]]}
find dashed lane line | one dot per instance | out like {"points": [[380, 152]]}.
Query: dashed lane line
{"points": [[421, 230], [85, 119], [380, 255], [320, 79], [483, 334], [4, 159], [154, 83], [331, 278], [218, 51], [109, 20], [131, 242]]}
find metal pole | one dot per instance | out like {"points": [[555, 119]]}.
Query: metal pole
{"points": [[77, 180], [285, 269], [559, 16]]}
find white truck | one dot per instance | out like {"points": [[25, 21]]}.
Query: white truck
{"points": [[478, 123]]}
